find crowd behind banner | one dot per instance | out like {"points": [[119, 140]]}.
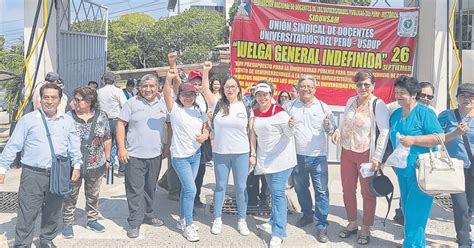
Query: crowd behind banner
{"points": [[269, 143]]}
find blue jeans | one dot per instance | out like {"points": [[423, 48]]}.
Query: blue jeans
{"points": [[317, 168], [187, 169], [277, 182], [223, 163], [416, 207]]}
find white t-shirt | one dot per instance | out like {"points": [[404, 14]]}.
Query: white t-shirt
{"points": [[310, 136], [275, 143], [187, 125], [230, 132]]}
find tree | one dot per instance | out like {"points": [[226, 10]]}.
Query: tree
{"points": [[128, 47], [193, 34], [11, 60]]}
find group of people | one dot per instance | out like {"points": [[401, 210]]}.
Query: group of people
{"points": [[282, 142]]}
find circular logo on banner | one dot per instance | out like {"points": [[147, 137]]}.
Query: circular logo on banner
{"points": [[407, 25]]}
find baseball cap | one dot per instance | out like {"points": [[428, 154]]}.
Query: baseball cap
{"points": [[194, 74], [186, 87], [466, 88], [262, 87], [51, 76]]}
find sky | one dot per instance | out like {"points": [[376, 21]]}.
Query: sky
{"points": [[11, 13]]}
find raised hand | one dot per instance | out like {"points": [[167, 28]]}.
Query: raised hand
{"points": [[207, 66], [172, 58]]}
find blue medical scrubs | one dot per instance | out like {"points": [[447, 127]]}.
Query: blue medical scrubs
{"points": [[416, 205]]}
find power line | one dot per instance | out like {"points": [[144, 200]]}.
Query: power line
{"points": [[12, 21]]}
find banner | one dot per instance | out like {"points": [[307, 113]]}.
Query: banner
{"points": [[280, 41]]}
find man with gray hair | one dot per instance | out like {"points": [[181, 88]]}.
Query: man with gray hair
{"points": [[111, 100], [144, 115], [313, 122]]}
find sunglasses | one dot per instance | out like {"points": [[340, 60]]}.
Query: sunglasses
{"points": [[423, 95]]}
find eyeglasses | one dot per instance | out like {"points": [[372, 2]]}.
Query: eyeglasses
{"points": [[364, 85], [423, 95], [78, 99], [230, 87]]}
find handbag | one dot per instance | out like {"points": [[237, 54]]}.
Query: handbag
{"points": [[438, 173], [381, 186], [60, 175]]}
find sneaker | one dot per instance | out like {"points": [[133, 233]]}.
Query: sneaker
{"points": [[95, 226], [322, 235], [68, 233], [304, 221], [154, 222], [133, 232], [190, 234], [275, 242], [182, 225], [216, 226], [242, 227], [266, 227]]}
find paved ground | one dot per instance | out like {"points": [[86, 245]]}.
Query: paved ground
{"points": [[113, 206]]}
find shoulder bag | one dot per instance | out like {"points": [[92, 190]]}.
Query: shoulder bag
{"points": [[438, 173], [60, 176]]}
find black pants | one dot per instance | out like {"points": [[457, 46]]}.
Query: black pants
{"points": [[255, 193], [463, 204], [34, 198], [174, 185], [141, 176], [199, 179]]}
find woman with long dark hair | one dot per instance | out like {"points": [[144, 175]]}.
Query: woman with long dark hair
{"points": [[231, 151]]}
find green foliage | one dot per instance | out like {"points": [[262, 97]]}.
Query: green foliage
{"points": [[11, 60], [127, 45], [138, 41]]}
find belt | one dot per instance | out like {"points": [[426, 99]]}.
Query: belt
{"points": [[113, 118], [37, 169]]}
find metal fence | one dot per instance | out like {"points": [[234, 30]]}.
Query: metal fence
{"points": [[82, 42]]}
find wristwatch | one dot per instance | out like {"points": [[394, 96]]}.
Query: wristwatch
{"points": [[253, 155]]}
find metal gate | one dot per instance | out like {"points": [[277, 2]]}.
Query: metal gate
{"points": [[82, 42]]}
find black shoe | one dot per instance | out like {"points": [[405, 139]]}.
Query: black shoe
{"points": [[133, 232], [120, 174], [154, 222], [162, 183], [304, 221], [173, 197], [47, 244], [322, 235], [198, 204], [399, 218]]}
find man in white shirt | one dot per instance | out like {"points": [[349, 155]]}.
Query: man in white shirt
{"points": [[312, 125], [111, 100]]}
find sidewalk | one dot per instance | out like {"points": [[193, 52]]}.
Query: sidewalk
{"points": [[113, 206]]}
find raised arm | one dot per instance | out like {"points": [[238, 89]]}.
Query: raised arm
{"points": [[172, 73], [172, 56], [204, 88]]}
